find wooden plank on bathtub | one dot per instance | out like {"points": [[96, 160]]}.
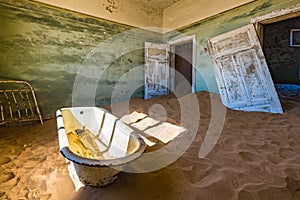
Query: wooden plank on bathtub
{"points": [[119, 144]]}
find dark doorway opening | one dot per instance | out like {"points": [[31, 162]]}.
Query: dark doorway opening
{"points": [[183, 63], [283, 60]]}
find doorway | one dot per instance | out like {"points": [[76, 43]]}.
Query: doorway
{"points": [[274, 31], [183, 60], [282, 58], [170, 67], [183, 66]]}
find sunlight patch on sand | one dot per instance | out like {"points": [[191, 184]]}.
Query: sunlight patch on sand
{"points": [[163, 131]]}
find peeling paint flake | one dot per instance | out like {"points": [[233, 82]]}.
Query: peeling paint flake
{"points": [[111, 6]]}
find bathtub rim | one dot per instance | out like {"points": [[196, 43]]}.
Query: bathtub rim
{"points": [[71, 156]]}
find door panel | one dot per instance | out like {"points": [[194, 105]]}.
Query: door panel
{"points": [[242, 73], [235, 43], [234, 92], [157, 70], [250, 71]]}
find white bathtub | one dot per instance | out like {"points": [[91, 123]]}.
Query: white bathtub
{"points": [[97, 143]]}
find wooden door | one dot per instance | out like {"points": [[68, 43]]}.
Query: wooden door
{"points": [[157, 70], [242, 73]]}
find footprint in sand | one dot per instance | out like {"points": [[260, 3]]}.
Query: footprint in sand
{"points": [[251, 158], [4, 160], [245, 195], [34, 194], [275, 159], [194, 175], [1, 193], [276, 143], [286, 153], [6, 176], [45, 196], [235, 182], [293, 184]]}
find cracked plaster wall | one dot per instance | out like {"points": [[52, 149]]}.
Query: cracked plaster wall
{"points": [[186, 12], [48, 47], [149, 14], [130, 12]]}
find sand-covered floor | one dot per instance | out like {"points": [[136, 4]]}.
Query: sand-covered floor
{"points": [[256, 157]]}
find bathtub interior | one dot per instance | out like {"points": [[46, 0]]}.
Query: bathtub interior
{"points": [[96, 134]]}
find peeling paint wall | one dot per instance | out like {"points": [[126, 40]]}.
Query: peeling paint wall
{"points": [[132, 12], [218, 24], [186, 12], [50, 48]]}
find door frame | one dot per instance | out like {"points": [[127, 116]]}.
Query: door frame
{"points": [[180, 41], [275, 16]]}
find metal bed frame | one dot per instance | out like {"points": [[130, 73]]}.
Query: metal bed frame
{"points": [[18, 103]]}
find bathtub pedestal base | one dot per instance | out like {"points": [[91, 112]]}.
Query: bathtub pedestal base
{"points": [[93, 176], [74, 177]]}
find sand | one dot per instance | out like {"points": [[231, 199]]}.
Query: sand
{"points": [[256, 157]]}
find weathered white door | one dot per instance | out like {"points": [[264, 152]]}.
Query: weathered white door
{"points": [[242, 73], [157, 70]]}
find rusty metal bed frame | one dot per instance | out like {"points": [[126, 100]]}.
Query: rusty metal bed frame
{"points": [[18, 103]]}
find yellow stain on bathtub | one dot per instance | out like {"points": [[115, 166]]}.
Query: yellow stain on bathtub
{"points": [[84, 145]]}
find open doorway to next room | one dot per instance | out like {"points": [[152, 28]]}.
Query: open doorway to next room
{"points": [[183, 66], [283, 59]]}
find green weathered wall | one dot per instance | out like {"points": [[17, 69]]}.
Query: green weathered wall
{"points": [[218, 24], [51, 48], [55, 50]]}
